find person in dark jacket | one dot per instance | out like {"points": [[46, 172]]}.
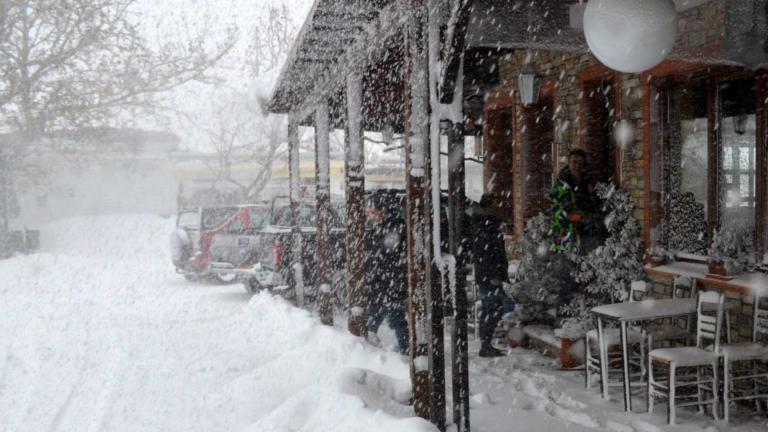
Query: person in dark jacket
{"points": [[386, 266], [579, 181], [490, 260], [574, 196]]}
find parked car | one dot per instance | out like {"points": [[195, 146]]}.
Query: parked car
{"points": [[277, 260], [219, 242]]}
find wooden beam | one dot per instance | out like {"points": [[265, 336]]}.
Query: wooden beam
{"points": [[296, 244], [336, 41], [323, 203], [417, 208], [355, 192], [435, 301], [458, 247], [456, 47], [335, 27]]}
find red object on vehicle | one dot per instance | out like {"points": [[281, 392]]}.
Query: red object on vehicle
{"points": [[278, 248]]}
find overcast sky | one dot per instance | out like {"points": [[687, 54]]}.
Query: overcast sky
{"points": [[163, 19]]}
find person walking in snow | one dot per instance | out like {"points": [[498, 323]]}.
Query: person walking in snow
{"points": [[386, 266], [490, 261]]}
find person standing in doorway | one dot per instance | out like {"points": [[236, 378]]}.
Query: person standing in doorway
{"points": [[386, 266], [490, 261], [576, 217]]}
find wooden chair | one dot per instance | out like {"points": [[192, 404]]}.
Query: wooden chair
{"points": [[753, 352], [635, 336], [679, 330], [699, 357]]}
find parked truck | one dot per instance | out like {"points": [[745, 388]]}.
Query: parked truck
{"points": [[253, 243], [278, 260]]}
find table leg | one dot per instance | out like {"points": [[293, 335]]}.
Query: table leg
{"points": [[625, 367], [603, 358]]}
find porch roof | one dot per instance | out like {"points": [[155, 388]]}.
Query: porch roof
{"points": [[337, 33], [329, 29], [333, 28]]}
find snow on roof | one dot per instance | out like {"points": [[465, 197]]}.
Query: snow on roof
{"points": [[327, 32], [541, 24]]}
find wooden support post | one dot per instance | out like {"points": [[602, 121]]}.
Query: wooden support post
{"points": [[417, 208], [436, 306], [296, 245], [355, 191], [458, 247], [323, 201]]}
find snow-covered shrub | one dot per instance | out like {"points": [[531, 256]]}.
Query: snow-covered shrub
{"points": [[605, 273], [686, 226], [659, 254], [536, 285], [729, 247]]}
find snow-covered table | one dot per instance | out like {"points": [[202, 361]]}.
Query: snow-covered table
{"points": [[646, 310]]}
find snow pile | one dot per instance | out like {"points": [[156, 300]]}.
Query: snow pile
{"points": [[99, 333]]}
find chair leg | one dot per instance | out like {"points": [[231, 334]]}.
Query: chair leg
{"points": [[755, 388], [699, 390], [643, 371], [728, 326], [671, 394], [650, 384], [587, 363], [726, 388], [715, 389]]}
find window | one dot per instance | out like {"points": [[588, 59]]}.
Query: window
{"points": [[705, 152], [599, 102], [259, 216], [683, 156], [189, 219], [214, 217], [738, 139]]}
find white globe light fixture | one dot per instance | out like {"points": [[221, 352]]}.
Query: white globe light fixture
{"points": [[630, 35]]}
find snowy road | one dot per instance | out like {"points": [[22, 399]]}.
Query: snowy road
{"points": [[99, 334]]}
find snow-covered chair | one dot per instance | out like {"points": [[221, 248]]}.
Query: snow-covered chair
{"points": [[635, 336], [753, 352], [699, 357]]}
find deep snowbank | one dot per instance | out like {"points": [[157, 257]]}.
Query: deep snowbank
{"points": [[99, 334]]}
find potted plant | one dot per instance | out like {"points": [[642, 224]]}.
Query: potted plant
{"points": [[727, 255]]}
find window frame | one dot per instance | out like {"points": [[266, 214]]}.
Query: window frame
{"points": [[660, 83]]}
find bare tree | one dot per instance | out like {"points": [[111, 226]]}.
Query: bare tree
{"points": [[271, 39], [68, 64], [242, 137]]}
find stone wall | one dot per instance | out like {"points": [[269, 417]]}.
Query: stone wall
{"points": [[740, 308], [701, 35], [700, 40]]}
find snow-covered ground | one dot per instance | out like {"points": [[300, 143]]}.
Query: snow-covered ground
{"points": [[97, 333]]}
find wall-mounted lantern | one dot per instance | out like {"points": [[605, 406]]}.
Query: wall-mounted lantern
{"points": [[529, 85], [740, 123]]}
